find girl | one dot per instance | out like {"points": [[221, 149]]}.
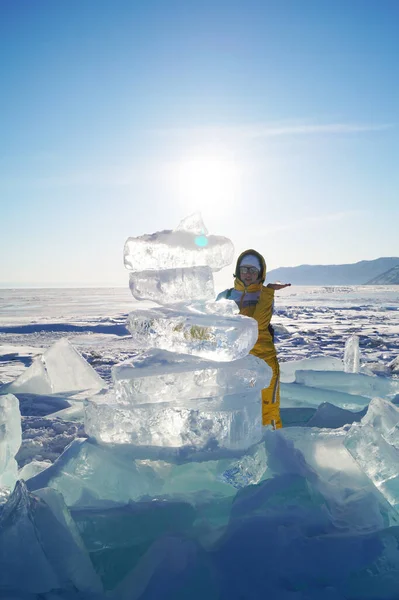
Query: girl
{"points": [[256, 300]]}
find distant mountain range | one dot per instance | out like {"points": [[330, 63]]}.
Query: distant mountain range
{"points": [[381, 271], [390, 277]]}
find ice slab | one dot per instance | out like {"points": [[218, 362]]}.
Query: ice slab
{"points": [[10, 440], [194, 224], [74, 413], [33, 468], [40, 547], [298, 395], [173, 568], [227, 421], [167, 286], [331, 416], [351, 383], [352, 355], [374, 444], [316, 562], [383, 416], [377, 458], [116, 538], [214, 337], [320, 456], [322, 363], [61, 369], [89, 475], [177, 249], [161, 376], [394, 365]]}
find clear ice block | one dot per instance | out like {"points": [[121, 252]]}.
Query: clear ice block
{"points": [[210, 336], [60, 369], [351, 383], [177, 249], [167, 286], [91, 476], [351, 355], [232, 422], [377, 458], [383, 416], [298, 395], [88, 475], [321, 363], [10, 440], [160, 376]]}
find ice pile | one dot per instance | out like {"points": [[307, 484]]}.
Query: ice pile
{"points": [[194, 385], [178, 482], [184, 415]]}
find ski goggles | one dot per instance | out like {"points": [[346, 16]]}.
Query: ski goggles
{"points": [[251, 270]]}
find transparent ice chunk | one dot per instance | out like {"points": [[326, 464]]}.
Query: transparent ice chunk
{"points": [[377, 458], [10, 440], [320, 456], [394, 365], [351, 355], [33, 468], [351, 383], [383, 416], [92, 476], [160, 376], [194, 224], [322, 363], [117, 537], [214, 337], [177, 249], [60, 369], [88, 475], [230, 422], [298, 395], [40, 547], [167, 286], [331, 416]]}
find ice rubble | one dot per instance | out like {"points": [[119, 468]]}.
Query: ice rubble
{"points": [[164, 397], [178, 482], [196, 420]]}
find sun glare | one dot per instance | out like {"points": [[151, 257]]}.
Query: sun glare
{"points": [[207, 182]]}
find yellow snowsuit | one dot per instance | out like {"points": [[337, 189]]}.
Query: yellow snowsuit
{"points": [[264, 348]]}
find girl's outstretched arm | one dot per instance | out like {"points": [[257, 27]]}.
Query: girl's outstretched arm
{"points": [[278, 286]]}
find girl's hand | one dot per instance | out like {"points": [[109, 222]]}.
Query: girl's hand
{"points": [[278, 286]]}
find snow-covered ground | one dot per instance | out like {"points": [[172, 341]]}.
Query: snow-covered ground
{"points": [[284, 538]]}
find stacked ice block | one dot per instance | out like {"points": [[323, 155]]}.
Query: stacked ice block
{"points": [[193, 383]]}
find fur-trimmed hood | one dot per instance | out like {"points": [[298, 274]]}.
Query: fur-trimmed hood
{"points": [[261, 260]]}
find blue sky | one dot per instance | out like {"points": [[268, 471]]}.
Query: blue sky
{"points": [[278, 120]]}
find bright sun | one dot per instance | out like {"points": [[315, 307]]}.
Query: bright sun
{"points": [[207, 182]]}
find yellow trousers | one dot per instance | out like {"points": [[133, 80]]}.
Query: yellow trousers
{"points": [[271, 397]]}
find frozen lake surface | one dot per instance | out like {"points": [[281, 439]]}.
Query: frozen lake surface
{"points": [[309, 513], [310, 322]]}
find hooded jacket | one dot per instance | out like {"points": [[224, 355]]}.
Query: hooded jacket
{"points": [[255, 301]]}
